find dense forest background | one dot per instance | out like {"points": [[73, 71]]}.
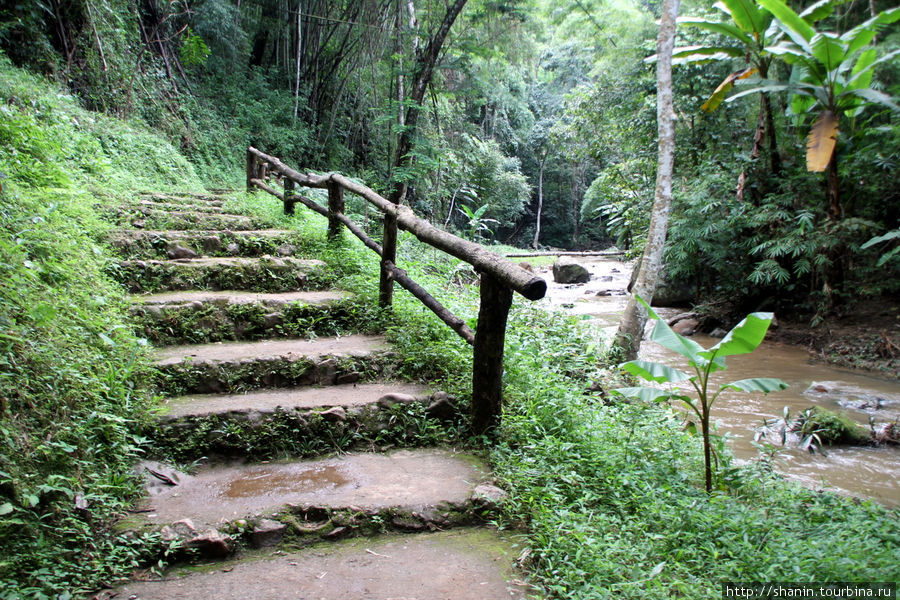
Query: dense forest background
{"points": [[537, 129]]}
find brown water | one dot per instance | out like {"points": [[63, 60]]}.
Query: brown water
{"points": [[858, 471], [276, 480]]}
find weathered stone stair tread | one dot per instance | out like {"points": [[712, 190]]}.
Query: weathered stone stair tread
{"points": [[181, 234], [237, 352], [409, 480], [269, 273], [239, 297], [464, 564], [249, 242], [192, 220], [180, 206], [184, 200], [289, 398]]}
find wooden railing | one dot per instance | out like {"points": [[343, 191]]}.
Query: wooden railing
{"points": [[499, 277]]}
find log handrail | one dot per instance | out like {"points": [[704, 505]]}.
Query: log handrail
{"points": [[499, 276], [507, 272]]}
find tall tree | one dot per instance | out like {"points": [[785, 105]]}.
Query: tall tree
{"points": [[426, 59], [631, 328]]}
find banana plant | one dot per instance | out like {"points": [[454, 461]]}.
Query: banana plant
{"points": [[747, 32], [831, 79], [743, 339], [477, 222]]}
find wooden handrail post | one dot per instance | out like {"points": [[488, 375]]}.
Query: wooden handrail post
{"points": [[335, 208], [251, 169], [388, 256], [487, 367], [288, 196]]}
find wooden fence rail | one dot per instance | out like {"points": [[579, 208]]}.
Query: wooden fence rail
{"points": [[499, 277]]}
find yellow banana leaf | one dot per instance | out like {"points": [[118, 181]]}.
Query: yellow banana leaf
{"points": [[821, 142], [713, 102]]}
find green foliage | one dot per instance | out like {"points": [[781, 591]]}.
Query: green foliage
{"points": [[606, 497], [478, 226], [620, 197], [611, 504], [887, 256], [742, 339], [194, 50], [832, 74], [72, 376]]}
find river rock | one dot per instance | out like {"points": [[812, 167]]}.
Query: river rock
{"points": [[267, 533], [286, 250], [335, 414], [668, 292], [718, 332], [176, 251], [211, 243], [211, 543], [850, 396], [686, 326], [348, 378], [442, 407], [392, 399], [566, 270], [488, 496]]}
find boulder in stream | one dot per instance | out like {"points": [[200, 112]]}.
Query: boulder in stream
{"points": [[567, 270]]}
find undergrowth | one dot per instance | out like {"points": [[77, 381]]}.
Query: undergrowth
{"points": [[71, 373], [607, 497], [611, 498]]}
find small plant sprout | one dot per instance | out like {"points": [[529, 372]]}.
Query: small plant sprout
{"points": [[743, 339]]}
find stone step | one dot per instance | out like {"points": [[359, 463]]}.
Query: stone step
{"points": [[304, 421], [162, 244], [214, 316], [150, 218], [264, 402], [203, 207], [462, 564], [408, 489], [262, 274], [184, 199], [227, 367]]}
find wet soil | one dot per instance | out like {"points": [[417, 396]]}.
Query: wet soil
{"points": [[866, 336], [453, 565]]}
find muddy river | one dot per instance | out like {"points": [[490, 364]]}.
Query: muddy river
{"points": [[859, 471]]}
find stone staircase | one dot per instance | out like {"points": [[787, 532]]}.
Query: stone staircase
{"points": [[315, 477]]}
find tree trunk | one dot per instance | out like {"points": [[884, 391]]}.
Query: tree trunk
{"points": [[298, 60], [540, 206], [577, 184], [425, 61], [831, 190], [631, 329]]}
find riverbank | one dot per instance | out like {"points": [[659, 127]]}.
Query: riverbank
{"points": [[866, 337]]}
